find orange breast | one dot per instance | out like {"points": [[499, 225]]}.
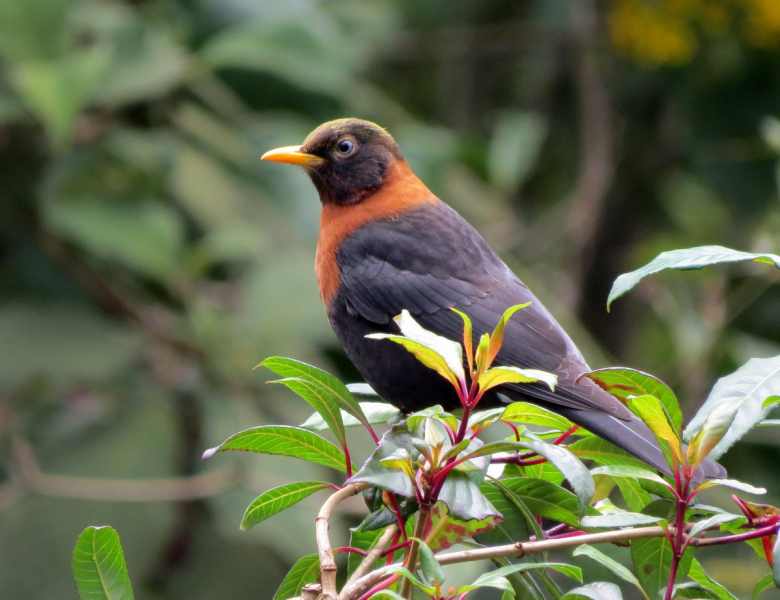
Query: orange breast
{"points": [[401, 191]]}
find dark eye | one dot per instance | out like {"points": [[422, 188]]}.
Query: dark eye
{"points": [[345, 146]]}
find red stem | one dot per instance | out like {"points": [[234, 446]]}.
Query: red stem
{"points": [[517, 460], [399, 518], [347, 459], [389, 560], [679, 541], [565, 434], [350, 549], [740, 537], [379, 587], [395, 547]]}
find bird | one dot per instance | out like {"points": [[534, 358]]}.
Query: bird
{"points": [[388, 244]]}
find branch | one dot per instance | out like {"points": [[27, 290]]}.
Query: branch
{"points": [[374, 554], [327, 562], [353, 591]]}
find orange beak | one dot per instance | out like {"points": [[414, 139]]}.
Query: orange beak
{"points": [[293, 155]]}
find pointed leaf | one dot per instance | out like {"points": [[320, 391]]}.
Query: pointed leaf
{"points": [[480, 356], [626, 471], [732, 483], [99, 566], [434, 351], [377, 413], [391, 480], [276, 500], [623, 382], [602, 452], [569, 571], [653, 559], [320, 400], [710, 522], [443, 530], [361, 389], [698, 574], [306, 570], [399, 570], [615, 567], [497, 337], [464, 500], [508, 530], [285, 441], [501, 375], [635, 496], [600, 590], [754, 382], [545, 499], [651, 411], [712, 432], [430, 567], [764, 583], [625, 519], [524, 412], [690, 258], [287, 367], [573, 470], [771, 401], [467, 339]]}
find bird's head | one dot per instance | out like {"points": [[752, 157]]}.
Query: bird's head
{"points": [[347, 159]]}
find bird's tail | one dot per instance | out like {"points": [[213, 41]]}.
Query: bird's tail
{"points": [[636, 438]]}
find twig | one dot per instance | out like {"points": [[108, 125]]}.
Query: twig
{"points": [[374, 554], [171, 489], [511, 551], [411, 557], [327, 562]]}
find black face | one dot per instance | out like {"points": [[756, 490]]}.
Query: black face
{"points": [[357, 155]]}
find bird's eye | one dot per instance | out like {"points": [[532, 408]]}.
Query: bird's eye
{"points": [[345, 146]]}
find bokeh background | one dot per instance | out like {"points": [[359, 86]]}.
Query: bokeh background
{"points": [[148, 259]]}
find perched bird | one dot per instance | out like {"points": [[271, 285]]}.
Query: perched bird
{"points": [[387, 243]]}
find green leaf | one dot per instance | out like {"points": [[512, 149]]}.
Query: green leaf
{"points": [[467, 338], [573, 470], [764, 583], [626, 471], [751, 384], [602, 452], [497, 337], [99, 566], [524, 412], [486, 579], [689, 258], [625, 519], [545, 471], [771, 401], [635, 496], [623, 382], [287, 367], [434, 351], [464, 500], [399, 570], [615, 567], [652, 412], [734, 484], [501, 375], [443, 530], [712, 432], [285, 441], [276, 500], [320, 400], [652, 561], [513, 526], [392, 480], [698, 574], [430, 567], [545, 499], [710, 522], [600, 590], [306, 570], [377, 413]]}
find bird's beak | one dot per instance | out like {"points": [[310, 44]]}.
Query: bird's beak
{"points": [[293, 156]]}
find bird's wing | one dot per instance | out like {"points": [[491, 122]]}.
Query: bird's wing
{"points": [[431, 260]]}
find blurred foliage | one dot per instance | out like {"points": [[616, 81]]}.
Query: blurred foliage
{"points": [[148, 259]]}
